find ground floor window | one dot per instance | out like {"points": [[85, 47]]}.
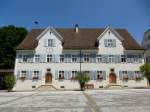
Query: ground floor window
{"points": [[23, 75], [74, 75], [61, 74], [99, 75], [35, 75]]}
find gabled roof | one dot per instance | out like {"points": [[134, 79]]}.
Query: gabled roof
{"points": [[85, 38]]}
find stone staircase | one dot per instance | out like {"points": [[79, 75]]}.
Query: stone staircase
{"points": [[113, 86], [47, 87]]}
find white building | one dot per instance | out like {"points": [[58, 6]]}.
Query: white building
{"points": [[146, 45], [53, 57]]}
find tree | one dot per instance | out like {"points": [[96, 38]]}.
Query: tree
{"points": [[82, 78], [10, 37], [146, 70], [9, 81]]}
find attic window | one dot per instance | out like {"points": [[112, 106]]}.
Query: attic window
{"points": [[109, 32], [50, 32]]}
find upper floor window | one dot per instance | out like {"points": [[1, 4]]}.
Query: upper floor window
{"points": [[49, 42], [110, 43], [49, 58], [123, 58], [86, 58], [74, 58], [37, 58], [99, 58], [25, 58], [61, 58]]}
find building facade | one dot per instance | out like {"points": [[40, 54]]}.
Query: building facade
{"points": [[146, 45], [54, 56]]}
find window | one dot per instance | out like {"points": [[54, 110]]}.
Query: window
{"points": [[110, 43], [25, 58], [99, 75], [37, 58], [49, 58], [35, 75], [74, 75], [61, 74], [125, 75], [23, 75], [86, 58], [111, 58], [74, 58], [123, 58], [99, 58], [50, 42], [61, 58]]}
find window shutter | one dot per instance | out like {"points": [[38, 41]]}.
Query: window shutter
{"points": [[105, 43], [18, 74], [114, 42], [104, 75], [56, 74], [129, 75], [53, 58], [94, 75], [31, 73], [93, 57], [65, 75], [20, 58], [54, 43], [69, 75], [40, 75], [120, 75], [45, 42], [28, 75]]}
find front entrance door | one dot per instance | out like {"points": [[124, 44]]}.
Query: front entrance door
{"points": [[112, 78], [48, 78]]}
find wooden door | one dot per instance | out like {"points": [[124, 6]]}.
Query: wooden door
{"points": [[48, 78], [112, 78]]}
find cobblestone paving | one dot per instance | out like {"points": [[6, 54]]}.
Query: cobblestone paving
{"points": [[75, 101], [122, 100]]}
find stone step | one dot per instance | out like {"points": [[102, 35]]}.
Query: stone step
{"points": [[46, 88], [113, 86]]}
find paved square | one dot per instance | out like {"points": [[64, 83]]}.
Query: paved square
{"points": [[129, 100]]}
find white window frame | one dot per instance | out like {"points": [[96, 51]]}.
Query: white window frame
{"points": [[61, 75], [86, 58], [74, 58], [99, 58], [49, 58], [62, 58], [37, 58]]}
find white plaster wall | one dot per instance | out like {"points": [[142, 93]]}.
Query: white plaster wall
{"points": [[41, 49], [106, 50], [27, 85]]}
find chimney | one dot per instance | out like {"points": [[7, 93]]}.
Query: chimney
{"points": [[76, 28]]}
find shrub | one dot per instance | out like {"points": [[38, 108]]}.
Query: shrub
{"points": [[82, 78], [9, 81]]}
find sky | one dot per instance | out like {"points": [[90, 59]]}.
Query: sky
{"points": [[133, 15]]}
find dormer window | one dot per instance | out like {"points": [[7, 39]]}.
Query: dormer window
{"points": [[50, 42], [110, 43]]}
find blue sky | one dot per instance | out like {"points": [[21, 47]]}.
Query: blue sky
{"points": [[133, 15]]}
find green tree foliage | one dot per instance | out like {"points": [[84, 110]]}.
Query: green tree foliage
{"points": [[9, 81], [82, 78], [146, 70], [10, 37]]}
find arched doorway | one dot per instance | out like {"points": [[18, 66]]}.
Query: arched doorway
{"points": [[112, 78], [48, 78]]}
